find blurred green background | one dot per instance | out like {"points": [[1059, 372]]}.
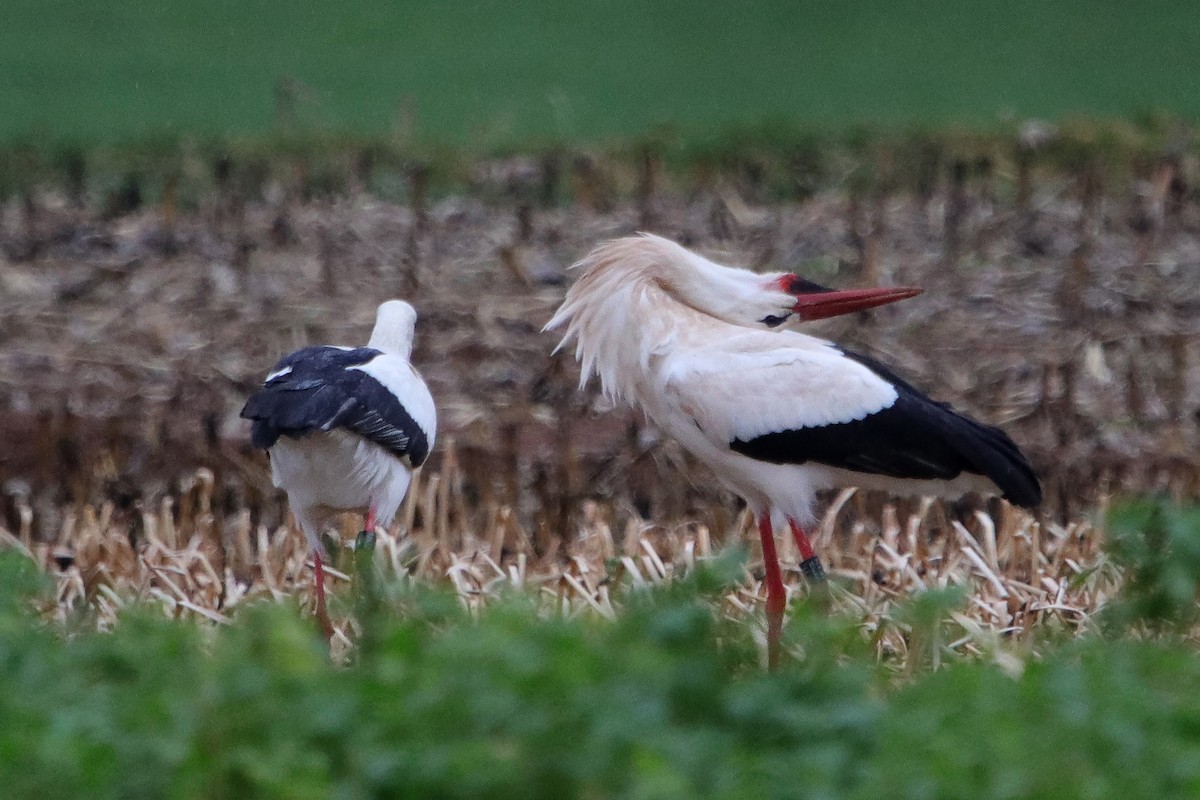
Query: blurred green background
{"points": [[494, 73]]}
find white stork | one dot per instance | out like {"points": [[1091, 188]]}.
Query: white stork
{"points": [[776, 414], [344, 428]]}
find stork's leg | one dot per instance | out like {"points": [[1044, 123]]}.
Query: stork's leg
{"points": [[364, 554], [776, 593], [810, 564], [319, 577], [310, 523], [366, 539], [366, 587]]}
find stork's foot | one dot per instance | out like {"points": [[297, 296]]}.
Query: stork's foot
{"points": [[326, 623], [364, 566], [364, 550], [776, 593], [365, 541], [366, 580], [774, 634], [813, 569], [321, 613]]}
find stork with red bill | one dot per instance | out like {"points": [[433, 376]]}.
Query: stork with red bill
{"points": [[777, 415]]}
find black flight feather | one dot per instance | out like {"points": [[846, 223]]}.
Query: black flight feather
{"points": [[915, 437], [321, 392]]}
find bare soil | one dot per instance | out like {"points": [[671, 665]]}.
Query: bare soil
{"points": [[128, 343]]}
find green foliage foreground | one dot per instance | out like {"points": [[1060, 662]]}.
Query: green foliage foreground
{"points": [[667, 701]]}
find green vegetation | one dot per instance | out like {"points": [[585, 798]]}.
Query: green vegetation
{"points": [[486, 73], [204, 104], [114, 100], [667, 701], [1159, 546]]}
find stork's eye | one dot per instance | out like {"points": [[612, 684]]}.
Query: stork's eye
{"points": [[772, 321]]}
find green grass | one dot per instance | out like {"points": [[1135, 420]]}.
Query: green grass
{"points": [[668, 701], [487, 73]]}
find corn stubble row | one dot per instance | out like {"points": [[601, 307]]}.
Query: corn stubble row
{"points": [[1020, 574]]}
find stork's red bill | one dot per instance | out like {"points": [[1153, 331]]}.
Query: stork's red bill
{"points": [[814, 301], [778, 415]]}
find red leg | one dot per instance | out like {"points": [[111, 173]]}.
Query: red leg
{"points": [[810, 565], [366, 539], [776, 593], [322, 614]]}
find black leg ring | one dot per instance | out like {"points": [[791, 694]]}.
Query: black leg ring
{"points": [[812, 569], [365, 541]]}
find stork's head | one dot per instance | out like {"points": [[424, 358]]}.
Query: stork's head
{"points": [[395, 322], [620, 309], [751, 299]]}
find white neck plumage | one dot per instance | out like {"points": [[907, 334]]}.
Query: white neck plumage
{"points": [[394, 325], [629, 302]]}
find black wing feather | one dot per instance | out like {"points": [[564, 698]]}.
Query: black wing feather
{"points": [[321, 392], [915, 437]]}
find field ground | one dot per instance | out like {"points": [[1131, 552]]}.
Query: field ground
{"points": [[1062, 281], [566, 606], [1060, 304], [538, 690], [490, 73]]}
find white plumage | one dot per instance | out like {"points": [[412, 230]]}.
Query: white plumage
{"points": [[345, 427], [778, 415], [340, 470]]}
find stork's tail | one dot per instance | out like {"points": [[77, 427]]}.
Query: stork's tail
{"points": [[997, 456]]}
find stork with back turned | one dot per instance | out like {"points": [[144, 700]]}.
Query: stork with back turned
{"points": [[778, 415], [344, 428]]}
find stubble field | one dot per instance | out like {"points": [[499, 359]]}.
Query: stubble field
{"points": [[1061, 299]]}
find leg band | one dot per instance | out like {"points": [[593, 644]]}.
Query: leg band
{"points": [[812, 569]]}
